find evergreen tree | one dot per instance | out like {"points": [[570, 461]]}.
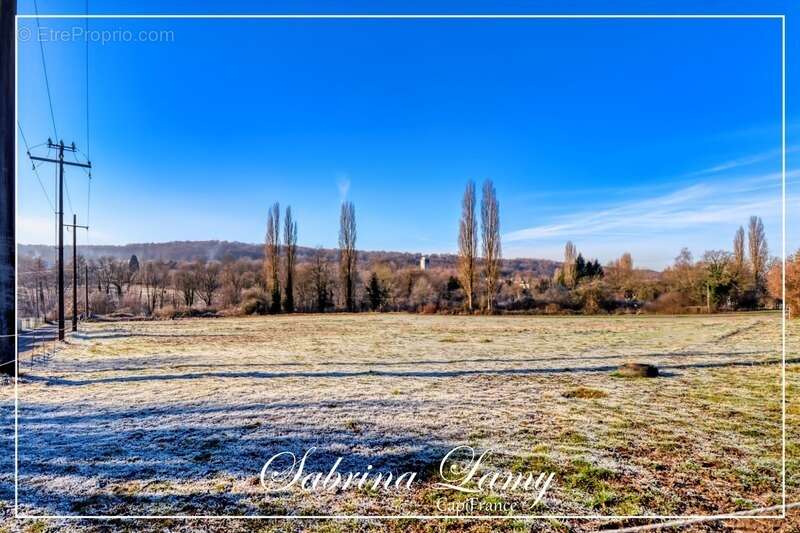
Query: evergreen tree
{"points": [[580, 268], [376, 293], [598, 269]]}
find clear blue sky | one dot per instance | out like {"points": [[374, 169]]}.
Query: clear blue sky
{"points": [[633, 135]]}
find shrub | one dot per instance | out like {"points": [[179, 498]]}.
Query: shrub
{"points": [[422, 294], [552, 308], [132, 304], [668, 303], [166, 312], [101, 303], [428, 309], [775, 284], [594, 297], [585, 393], [254, 302]]}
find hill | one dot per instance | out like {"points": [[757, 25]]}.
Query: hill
{"points": [[219, 250]]}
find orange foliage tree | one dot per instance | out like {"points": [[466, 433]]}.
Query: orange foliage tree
{"points": [[792, 302]]}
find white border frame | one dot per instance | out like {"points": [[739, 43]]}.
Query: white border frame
{"points": [[729, 516]]}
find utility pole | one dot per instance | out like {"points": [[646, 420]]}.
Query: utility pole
{"points": [[75, 227], [8, 320], [86, 290], [60, 161]]}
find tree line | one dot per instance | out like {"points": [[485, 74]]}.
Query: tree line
{"points": [[481, 281]]}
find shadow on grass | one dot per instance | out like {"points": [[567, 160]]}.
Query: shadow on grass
{"points": [[134, 460], [55, 380]]}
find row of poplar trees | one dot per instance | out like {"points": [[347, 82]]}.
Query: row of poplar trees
{"points": [[273, 259], [468, 260], [280, 259]]}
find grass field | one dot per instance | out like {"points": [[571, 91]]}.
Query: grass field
{"points": [[178, 417]]}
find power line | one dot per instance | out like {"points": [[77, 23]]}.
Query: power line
{"points": [[88, 190], [69, 200], [86, 32], [44, 67], [88, 145], [75, 157], [88, 206], [62, 184], [35, 170], [60, 225]]}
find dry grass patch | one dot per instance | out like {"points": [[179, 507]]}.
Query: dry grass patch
{"points": [[585, 393]]}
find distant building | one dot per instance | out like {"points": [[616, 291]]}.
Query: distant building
{"points": [[521, 282], [424, 262]]}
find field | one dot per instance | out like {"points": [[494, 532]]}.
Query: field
{"points": [[178, 417]]}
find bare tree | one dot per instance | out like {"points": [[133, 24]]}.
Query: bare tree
{"points": [[154, 277], [348, 254], [120, 275], [757, 246], [738, 250], [468, 243], [626, 263], [185, 282], [272, 264], [558, 277], [208, 281], [290, 248], [320, 281], [490, 230], [738, 264], [569, 270], [105, 273], [233, 280], [40, 270]]}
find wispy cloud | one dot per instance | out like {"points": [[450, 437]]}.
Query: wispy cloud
{"points": [[737, 163], [685, 179], [706, 203]]}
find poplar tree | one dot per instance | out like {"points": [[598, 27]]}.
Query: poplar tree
{"points": [[348, 254], [490, 231], [468, 244], [290, 255]]}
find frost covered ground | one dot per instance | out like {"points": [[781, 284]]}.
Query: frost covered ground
{"points": [[178, 417]]}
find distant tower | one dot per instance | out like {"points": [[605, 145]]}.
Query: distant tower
{"points": [[424, 262]]}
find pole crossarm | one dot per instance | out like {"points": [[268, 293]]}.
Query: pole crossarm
{"points": [[51, 160]]}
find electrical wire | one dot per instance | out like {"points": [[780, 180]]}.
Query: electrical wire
{"points": [[69, 200], [44, 67], [88, 145], [35, 169], [86, 32]]}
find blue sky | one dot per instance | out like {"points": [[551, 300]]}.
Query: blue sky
{"points": [[621, 135]]}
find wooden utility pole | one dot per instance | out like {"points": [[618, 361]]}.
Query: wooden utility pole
{"points": [[86, 290], [8, 319], [75, 227], [60, 161]]}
